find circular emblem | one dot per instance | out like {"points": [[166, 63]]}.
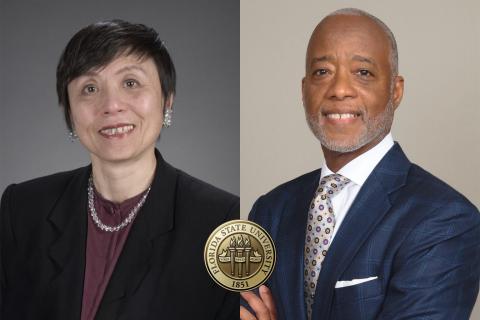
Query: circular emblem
{"points": [[239, 255]]}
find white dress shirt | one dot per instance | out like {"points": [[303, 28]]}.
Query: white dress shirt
{"points": [[357, 171]]}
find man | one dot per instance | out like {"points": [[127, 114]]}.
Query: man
{"points": [[370, 235]]}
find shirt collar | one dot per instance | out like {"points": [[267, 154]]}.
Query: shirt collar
{"points": [[360, 168]]}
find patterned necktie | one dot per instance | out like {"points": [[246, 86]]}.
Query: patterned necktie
{"points": [[320, 225]]}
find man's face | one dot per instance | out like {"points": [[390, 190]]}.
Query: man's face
{"points": [[348, 91]]}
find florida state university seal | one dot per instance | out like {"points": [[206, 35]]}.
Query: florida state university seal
{"points": [[239, 255]]}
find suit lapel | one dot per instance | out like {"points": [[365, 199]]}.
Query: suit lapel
{"points": [[67, 252], [155, 218], [290, 242], [368, 209]]}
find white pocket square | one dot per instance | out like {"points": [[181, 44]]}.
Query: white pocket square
{"points": [[354, 282]]}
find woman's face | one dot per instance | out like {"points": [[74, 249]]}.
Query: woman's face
{"points": [[117, 111]]}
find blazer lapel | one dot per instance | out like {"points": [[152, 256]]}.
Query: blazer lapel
{"points": [[155, 218], [290, 242], [69, 221], [368, 209]]}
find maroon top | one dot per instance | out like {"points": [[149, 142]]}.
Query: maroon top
{"points": [[103, 250]]}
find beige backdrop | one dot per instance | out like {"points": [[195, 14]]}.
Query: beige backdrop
{"points": [[436, 124]]}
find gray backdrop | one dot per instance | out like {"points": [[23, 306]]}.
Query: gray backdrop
{"points": [[203, 40], [436, 123]]}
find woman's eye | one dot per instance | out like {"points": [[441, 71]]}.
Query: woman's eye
{"points": [[89, 89], [131, 83]]}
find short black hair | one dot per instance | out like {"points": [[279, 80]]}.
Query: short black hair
{"points": [[98, 44]]}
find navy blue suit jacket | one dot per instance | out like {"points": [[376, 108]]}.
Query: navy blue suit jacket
{"points": [[416, 234]]}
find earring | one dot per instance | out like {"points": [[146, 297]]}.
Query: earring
{"points": [[72, 136], [167, 117]]}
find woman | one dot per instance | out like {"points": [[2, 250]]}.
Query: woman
{"points": [[122, 238]]}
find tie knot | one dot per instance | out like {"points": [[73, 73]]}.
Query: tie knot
{"points": [[333, 183]]}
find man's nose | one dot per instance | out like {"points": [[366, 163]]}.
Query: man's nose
{"points": [[341, 86]]}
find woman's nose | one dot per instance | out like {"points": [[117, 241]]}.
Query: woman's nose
{"points": [[111, 102]]}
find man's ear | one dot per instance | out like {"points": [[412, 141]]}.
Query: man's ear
{"points": [[398, 86], [303, 91]]}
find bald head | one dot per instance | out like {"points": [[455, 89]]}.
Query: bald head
{"points": [[377, 25]]}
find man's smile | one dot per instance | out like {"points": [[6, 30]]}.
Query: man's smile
{"points": [[341, 117]]}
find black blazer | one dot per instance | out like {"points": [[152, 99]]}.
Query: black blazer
{"points": [[160, 273]]}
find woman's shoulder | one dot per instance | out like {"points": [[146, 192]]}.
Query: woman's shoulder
{"points": [[42, 189], [201, 203], [201, 190]]}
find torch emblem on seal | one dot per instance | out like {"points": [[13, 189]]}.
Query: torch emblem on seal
{"points": [[241, 257]]}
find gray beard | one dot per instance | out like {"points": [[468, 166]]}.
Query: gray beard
{"points": [[376, 127]]}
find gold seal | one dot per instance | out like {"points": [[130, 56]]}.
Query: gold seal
{"points": [[239, 255]]}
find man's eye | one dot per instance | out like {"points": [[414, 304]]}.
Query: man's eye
{"points": [[131, 83], [89, 89], [320, 72], [364, 73]]}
